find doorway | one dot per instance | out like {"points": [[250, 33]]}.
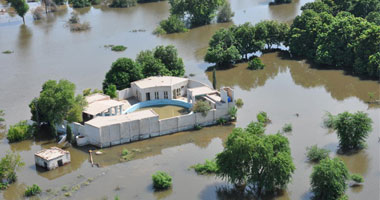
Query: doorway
{"points": [[60, 163]]}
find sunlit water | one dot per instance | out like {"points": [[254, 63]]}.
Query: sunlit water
{"points": [[48, 50]]}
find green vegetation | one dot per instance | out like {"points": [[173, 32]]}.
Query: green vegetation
{"points": [[87, 92], [225, 14], [173, 24], [32, 190], [123, 3], [357, 178], [57, 102], [2, 114], [21, 7], [262, 117], [352, 130], [161, 180], [329, 120], [227, 46], [59, 2], [161, 61], [336, 33], [75, 24], [123, 71], [251, 158], [277, 2], [7, 52], [328, 179], [119, 48], [256, 64], [287, 128], [197, 127], [239, 103], [232, 112], [209, 167], [126, 154], [80, 3], [214, 78], [69, 134], [20, 131], [9, 164], [315, 154], [111, 91], [221, 121], [201, 107]]}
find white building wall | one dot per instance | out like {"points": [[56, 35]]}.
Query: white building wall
{"points": [[52, 164]]}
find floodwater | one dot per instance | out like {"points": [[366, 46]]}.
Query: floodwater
{"points": [[48, 50], [167, 111]]}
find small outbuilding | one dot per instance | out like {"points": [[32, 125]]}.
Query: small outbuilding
{"points": [[52, 158]]}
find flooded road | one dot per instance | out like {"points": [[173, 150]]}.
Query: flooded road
{"points": [[48, 50]]}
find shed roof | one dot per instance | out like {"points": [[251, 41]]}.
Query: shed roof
{"points": [[158, 81], [51, 153], [203, 90], [100, 106], [117, 119], [96, 97]]}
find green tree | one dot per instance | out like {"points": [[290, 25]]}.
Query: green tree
{"points": [[123, 3], [246, 40], [352, 129], [168, 55], [199, 12], [80, 3], [57, 101], [60, 2], [69, 134], [222, 49], [374, 17], [271, 32], [363, 7], [328, 179], [225, 14], [123, 71], [256, 64], [9, 164], [214, 78], [111, 91], [318, 7], [262, 162], [150, 65], [173, 24], [21, 7]]}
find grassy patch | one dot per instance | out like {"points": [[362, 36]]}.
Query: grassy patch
{"points": [[118, 48], [287, 128], [315, 154], [32, 190], [7, 52], [209, 167]]}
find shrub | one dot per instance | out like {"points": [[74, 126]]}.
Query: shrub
{"points": [[80, 26], [159, 31], [3, 186], [123, 3], [329, 120], [69, 134], [232, 113], [125, 152], [8, 166], [173, 25], [80, 3], [111, 91], [202, 107], [357, 178], [32, 190], [239, 103], [262, 117], [209, 167], [118, 48], [197, 127], [96, 2], [255, 64], [161, 180], [20, 131], [287, 128], [225, 14], [316, 154], [221, 121], [7, 52]]}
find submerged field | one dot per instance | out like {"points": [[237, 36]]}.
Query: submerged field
{"points": [[48, 50]]}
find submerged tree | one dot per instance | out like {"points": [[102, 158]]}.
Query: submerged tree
{"points": [[9, 164], [214, 78], [225, 14], [21, 7], [261, 162]]}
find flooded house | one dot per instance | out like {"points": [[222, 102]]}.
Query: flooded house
{"points": [[52, 158]]}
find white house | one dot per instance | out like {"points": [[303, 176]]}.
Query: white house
{"points": [[52, 158]]}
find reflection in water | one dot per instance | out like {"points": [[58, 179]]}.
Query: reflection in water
{"points": [[284, 12], [24, 38], [162, 194], [154, 146], [15, 191], [356, 163]]}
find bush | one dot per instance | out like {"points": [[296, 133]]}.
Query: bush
{"points": [[32, 190], [197, 127], [202, 107], [173, 25], [225, 14], [3, 186], [80, 3], [315, 154], [357, 178], [329, 120], [209, 167], [262, 117], [221, 121], [159, 31], [161, 180], [287, 128], [239, 103], [232, 113], [75, 25], [123, 3], [7, 52], [255, 64], [20, 131], [111, 91], [118, 48]]}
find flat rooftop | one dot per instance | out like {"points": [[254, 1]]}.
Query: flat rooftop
{"points": [[117, 119], [203, 90], [101, 106], [96, 97], [51, 153], [158, 81]]}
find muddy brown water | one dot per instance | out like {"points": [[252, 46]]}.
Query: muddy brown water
{"points": [[48, 50], [167, 111]]}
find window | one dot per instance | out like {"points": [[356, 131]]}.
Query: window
{"points": [[156, 95], [147, 96], [178, 91], [165, 95]]}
